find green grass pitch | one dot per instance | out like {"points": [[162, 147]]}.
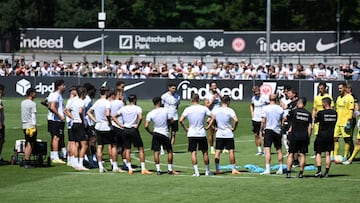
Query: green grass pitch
{"points": [[60, 183]]}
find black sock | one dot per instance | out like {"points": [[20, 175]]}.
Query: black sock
{"points": [[319, 168], [301, 172], [327, 170]]}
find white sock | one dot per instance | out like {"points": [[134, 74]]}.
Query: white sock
{"points": [[86, 158], [72, 160], [64, 152], [124, 161], [170, 167], [157, 167], [55, 155], [207, 168], [111, 161], [233, 167], [142, 165], [267, 167], [81, 162], [115, 165], [196, 169], [129, 166], [217, 166], [259, 149], [212, 148], [101, 167], [76, 161]]}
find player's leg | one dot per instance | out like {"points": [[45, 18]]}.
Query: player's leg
{"points": [[278, 145], [219, 145], [257, 138], [192, 147]]}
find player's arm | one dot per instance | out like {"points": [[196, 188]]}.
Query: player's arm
{"points": [[114, 118], [139, 119], [147, 127], [182, 122], [52, 108], [309, 128], [236, 122], [81, 114], [90, 113], [208, 103], [252, 110], [212, 117], [262, 125], [108, 116], [68, 113]]}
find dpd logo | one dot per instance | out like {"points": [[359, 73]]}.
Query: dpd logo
{"points": [[199, 42]]}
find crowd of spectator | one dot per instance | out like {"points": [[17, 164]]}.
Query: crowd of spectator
{"points": [[196, 69]]}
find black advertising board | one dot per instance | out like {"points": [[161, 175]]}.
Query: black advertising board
{"points": [[213, 42]]}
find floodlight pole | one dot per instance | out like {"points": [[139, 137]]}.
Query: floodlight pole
{"points": [[102, 36], [338, 28], [268, 30]]}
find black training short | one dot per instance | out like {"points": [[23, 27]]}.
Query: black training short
{"points": [[271, 137], [31, 139], [298, 146], [197, 143], [132, 137], [119, 136], [158, 140], [2, 133], [256, 127], [225, 143], [323, 144], [78, 132], [174, 125], [104, 137], [56, 128]]}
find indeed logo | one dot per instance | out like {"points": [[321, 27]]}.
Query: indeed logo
{"points": [[186, 91], [279, 46], [37, 42], [200, 42], [42, 88]]}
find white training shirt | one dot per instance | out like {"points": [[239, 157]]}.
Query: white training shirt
{"points": [[171, 103], [74, 107], [87, 105], [223, 117], [129, 114], [28, 113], [217, 102], [196, 115], [273, 114], [259, 103], [115, 105], [58, 99], [99, 108], [159, 117]]}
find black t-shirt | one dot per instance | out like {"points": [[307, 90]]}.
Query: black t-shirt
{"points": [[300, 119], [327, 120], [349, 71]]}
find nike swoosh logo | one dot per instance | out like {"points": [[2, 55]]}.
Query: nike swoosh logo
{"points": [[324, 47], [81, 44], [128, 87]]}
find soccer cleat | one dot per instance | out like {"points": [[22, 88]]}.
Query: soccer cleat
{"points": [[288, 175], [102, 170], [118, 170], [173, 172], [347, 162], [131, 172], [225, 151], [217, 172], [279, 172], [146, 172], [212, 151], [158, 172], [235, 172], [196, 175], [318, 174], [28, 166], [58, 161], [326, 175], [81, 168], [300, 175], [208, 173], [265, 173], [295, 163], [259, 154]]}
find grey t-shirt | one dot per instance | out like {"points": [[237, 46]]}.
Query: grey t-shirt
{"points": [[28, 108]]}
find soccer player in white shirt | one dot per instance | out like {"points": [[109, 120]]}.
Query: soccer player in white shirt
{"points": [[171, 102], [56, 119], [196, 115], [212, 101], [132, 116], [258, 102], [71, 139], [225, 133], [28, 118], [272, 118], [103, 127], [160, 134]]}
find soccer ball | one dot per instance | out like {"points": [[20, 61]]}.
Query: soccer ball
{"points": [[338, 159]]}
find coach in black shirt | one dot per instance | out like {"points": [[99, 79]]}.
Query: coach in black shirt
{"points": [[299, 134]]}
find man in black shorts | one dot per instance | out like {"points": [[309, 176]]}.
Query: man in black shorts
{"points": [[160, 136], [299, 135], [324, 141]]}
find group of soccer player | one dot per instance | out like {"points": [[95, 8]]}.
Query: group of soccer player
{"points": [[291, 121]]}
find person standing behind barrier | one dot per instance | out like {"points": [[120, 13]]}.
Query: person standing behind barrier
{"points": [[171, 102], [324, 142], [258, 102], [196, 115], [132, 116], [212, 101], [160, 134], [299, 134], [28, 118], [345, 109], [56, 120], [225, 133], [271, 119]]}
